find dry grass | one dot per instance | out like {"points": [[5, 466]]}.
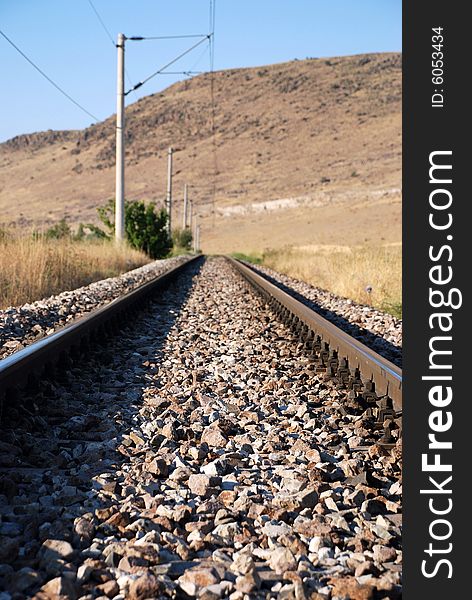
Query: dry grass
{"points": [[31, 269], [347, 271]]}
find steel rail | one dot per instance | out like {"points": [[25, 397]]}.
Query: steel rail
{"points": [[386, 376], [16, 369]]}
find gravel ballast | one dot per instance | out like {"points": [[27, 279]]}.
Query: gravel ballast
{"points": [[199, 456], [20, 326]]}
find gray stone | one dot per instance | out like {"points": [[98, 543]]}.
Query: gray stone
{"points": [[250, 582], [10, 529], [25, 579], [215, 468], [56, 549], [243, 563], [282, 560], [8, 549], [275, 529], [216, 590], [203, 485], [384, 554], [60, 586], [213, 436], [146, 586], [198, 578]]}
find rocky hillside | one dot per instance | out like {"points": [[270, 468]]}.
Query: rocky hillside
{"points": [[319, 130]]}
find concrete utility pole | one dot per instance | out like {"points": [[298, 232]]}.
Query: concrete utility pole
{"points": [[190, 214], [184, 218], [120, 151], [169, 191], [197, 232]]}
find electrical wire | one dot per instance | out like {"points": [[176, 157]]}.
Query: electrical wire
{"points": [[138, 85], [48, 78], [139, 38], [181, 72], [110, 37], [106, 30], [213, 107], [191, 70], [212, 30]]}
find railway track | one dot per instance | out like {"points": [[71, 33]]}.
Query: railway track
{"points": [[228, 442], [373, 382], [44, 355]]}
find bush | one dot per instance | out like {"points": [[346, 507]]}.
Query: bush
{"points": [[145, 229], [182, 238], [61, 231], [88, 231], [58, 231]]}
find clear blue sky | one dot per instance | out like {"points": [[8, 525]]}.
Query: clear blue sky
{"points": [[65, 39]]}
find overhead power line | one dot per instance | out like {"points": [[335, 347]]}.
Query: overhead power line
{"points": [[212, 32], [197, 61], [139, 38], [109, 35], [138, 85], [105, 29], [181, 72], [213, 106], [48, 78]]}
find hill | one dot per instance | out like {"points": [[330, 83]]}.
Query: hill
{"points": [[298, 147]]}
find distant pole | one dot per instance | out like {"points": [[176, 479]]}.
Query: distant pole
{"points": [[198, 239], [120, 152], [184, 219], [195, 234], [169, 191], [190, 214]]}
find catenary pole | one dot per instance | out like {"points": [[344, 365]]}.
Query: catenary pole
{"points": [[194, 233], [169, 191], [120, 151], [184, 218], [198, 239]]}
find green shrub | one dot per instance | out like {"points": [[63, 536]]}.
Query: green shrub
{"points": [[145, 229], [88, 231], [182, 238], [58, 231]]}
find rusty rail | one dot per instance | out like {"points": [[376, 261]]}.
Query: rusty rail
{"points": [[386, 377]]}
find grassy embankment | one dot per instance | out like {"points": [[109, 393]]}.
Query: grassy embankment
{"points": [[31, 269], [343, 270]]}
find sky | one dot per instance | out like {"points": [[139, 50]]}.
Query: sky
{"points": [[67, 41]]}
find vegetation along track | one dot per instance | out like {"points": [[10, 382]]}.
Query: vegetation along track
{"points": [[209, 450]]}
